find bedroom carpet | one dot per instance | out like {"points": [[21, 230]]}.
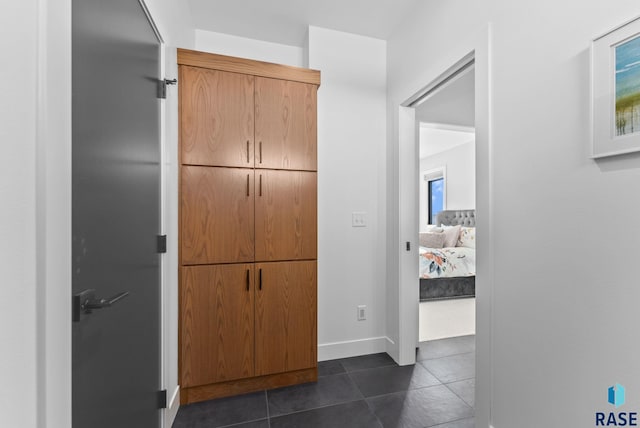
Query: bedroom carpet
{"points": [[371, 391]]}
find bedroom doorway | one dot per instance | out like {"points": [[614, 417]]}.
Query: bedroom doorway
{"points": [[445, 139], [407, 176], [455, 103]]}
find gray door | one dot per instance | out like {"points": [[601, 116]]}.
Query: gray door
{"points": [[116, 216]]}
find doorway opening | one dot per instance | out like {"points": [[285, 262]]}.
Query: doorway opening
{"points": [[446, 182], [414, 218]]}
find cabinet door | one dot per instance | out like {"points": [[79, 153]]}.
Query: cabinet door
{"points": [[286, 124], [286, 315], [217, 214], [286, 215], [217, 323], [217, 117]]}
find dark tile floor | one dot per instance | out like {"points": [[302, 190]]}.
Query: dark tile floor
{"points": [[371, 391]]}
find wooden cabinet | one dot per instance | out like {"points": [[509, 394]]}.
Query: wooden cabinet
{"points": [[218, 316], [217, 328], [217, 212], [217, 117], [286, 124], [222, 112], [286, 215], [286, 303], [248, 226]]}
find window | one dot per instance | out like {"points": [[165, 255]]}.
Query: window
{"points": [[433, 195], [436, 198]]}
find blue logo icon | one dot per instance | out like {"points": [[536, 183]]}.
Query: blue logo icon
{"points": [[617, 395]]}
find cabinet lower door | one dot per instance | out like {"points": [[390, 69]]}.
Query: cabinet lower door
{"points": [[217, 215], [286, 312], [217, 323]]}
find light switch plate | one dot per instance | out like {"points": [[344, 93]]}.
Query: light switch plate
{"points": [[359, 219]]}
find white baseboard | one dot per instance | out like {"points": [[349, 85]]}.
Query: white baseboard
{"points": [[171, 411], [352, 348]]}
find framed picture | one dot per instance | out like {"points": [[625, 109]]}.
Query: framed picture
{"points": [[615, 82]]}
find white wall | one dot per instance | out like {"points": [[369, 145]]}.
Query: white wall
{"points": [[460, 183], [18, 309], [351, 177], [242, 47], [554, 357]]}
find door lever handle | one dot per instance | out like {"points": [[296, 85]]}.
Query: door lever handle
{"points": [[85, 302], [104, 303]]}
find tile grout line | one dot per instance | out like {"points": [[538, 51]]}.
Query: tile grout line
{"points": [[458, 395], [405, 391], [320, 407], [236, 424], [266, 399], [372, 410], [446, 356], [356, 385], [446, 423]]}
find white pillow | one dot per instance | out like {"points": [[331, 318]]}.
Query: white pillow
{"points": [[467, 237], [451, 233], [432, 240], [432, 228]]}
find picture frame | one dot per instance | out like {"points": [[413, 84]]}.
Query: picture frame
{"points": [[615, 91]]}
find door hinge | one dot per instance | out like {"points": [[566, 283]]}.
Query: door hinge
{"points": [[162, 244], [162, 399], [162, 87]]}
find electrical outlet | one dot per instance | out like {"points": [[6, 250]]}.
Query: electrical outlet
{"points": [[358, 219], [362, 312]]}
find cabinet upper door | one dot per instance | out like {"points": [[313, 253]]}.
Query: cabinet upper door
{"points": [[217, 215], [286, 312], [286, 215], [286, 124], [217, 117], [217, 323]]}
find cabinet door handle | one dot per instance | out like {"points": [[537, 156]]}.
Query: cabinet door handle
{"points": [[247, 151], [260, 150], [248, 279], [247, 184], [260, 194], [260, 279]]}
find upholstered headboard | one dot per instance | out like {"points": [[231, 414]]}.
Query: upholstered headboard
{"points": [[456, 217]]}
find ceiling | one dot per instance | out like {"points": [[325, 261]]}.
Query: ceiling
{"points": [[452, 105], [287, 21], [447, 118], [437, 139]]}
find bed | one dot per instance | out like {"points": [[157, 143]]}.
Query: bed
{"points": [[448, 272]]}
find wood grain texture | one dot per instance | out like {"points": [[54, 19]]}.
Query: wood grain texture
{"points": [[286, 313], [217, 324], [247, 66], [217, 215], [243, 386], [286, 124], [217, 117], [286, 215]]}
